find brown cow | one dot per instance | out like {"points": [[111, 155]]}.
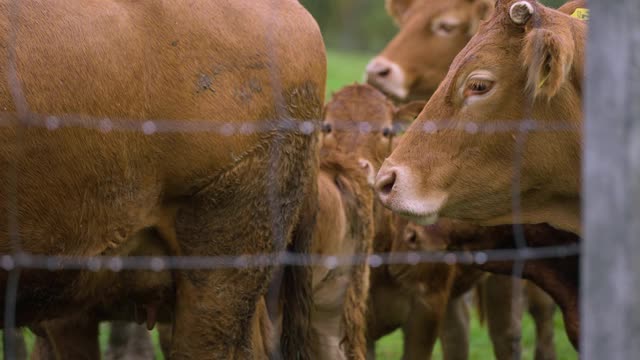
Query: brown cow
{"points": [[437, 285], [227, 166], [434, 279], [468, 174], [432, 32], [526, 62], [420, 59]]}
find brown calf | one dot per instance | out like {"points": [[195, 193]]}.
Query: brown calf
{"points": [[93, 167], [497, 301], [558, 277], [522, 71]]}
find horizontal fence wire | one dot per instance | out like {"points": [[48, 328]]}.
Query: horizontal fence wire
{"points": [[161, 263], [305, 126]]}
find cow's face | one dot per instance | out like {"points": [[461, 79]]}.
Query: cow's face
{"points": [[431, 33], [466, 155], [420, 276], [360, 120]]}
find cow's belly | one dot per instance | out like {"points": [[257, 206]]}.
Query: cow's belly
{"points": [[110, 295]]}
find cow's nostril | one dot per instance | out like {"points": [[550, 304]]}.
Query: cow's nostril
{"points": [[384, 72], [385, 184]]}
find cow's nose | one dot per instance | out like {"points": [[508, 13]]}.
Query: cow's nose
{"points": [[378, 68], [384, 183]]}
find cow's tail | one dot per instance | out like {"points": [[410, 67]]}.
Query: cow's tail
{"points": [[296, 292], [354, 313]]}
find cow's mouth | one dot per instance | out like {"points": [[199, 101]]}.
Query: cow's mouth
{"points": [[422, 220], [397, 94]]}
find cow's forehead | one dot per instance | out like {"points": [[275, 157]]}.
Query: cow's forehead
{"points": [[430, 8]]}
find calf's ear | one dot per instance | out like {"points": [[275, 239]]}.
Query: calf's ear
{"points": [[397, 9], [404, 115], [548, 57]]}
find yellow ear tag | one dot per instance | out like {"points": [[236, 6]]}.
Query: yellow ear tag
{"points": [[544, 80], [581, 13]]}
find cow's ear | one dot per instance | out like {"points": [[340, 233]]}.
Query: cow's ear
{"points": [[405, 114], [480, 10], [397, 9], [548, 56]]}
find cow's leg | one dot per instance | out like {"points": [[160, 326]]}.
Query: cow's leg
{"points": [[215, 308], [454, 334], [129, 341], [371, 350], [214, 311], [504, 315], [165, 334], [43, 349], [422, 328], [69, 338], [542, 308]]}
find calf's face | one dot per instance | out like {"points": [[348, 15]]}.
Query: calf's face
{"points": [[431, 33], [503, 125], [361, 120]]}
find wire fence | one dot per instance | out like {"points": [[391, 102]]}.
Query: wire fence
{"points": [[19, 259]]}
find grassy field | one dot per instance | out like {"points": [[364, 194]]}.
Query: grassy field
{"points": [[344, 69]]}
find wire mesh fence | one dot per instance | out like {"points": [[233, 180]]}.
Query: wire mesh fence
{"points": [[16, 257]]}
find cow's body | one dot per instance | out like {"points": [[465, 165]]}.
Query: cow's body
{"points": [[105, 113], [344, 229], [469, 174]]}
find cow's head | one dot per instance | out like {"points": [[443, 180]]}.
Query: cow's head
{"points": [[421, 277], [360, 120], [431, 33], [501, 135]]}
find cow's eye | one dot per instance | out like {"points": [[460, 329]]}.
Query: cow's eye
{"points": [[326, 128], [386, 132], [445, 28], [477, 87]]}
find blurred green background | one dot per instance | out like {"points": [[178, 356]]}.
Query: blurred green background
{"points": [[359, 25]]}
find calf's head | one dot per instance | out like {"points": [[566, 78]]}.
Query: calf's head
{"points": [[361, 120], [431, 33], [501, 135]]}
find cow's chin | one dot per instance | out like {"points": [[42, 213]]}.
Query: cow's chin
{"points": [[424, 212], [395, 91]]}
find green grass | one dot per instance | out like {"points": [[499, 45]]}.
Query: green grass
{"points": [[390, 346], [345, 68]]}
